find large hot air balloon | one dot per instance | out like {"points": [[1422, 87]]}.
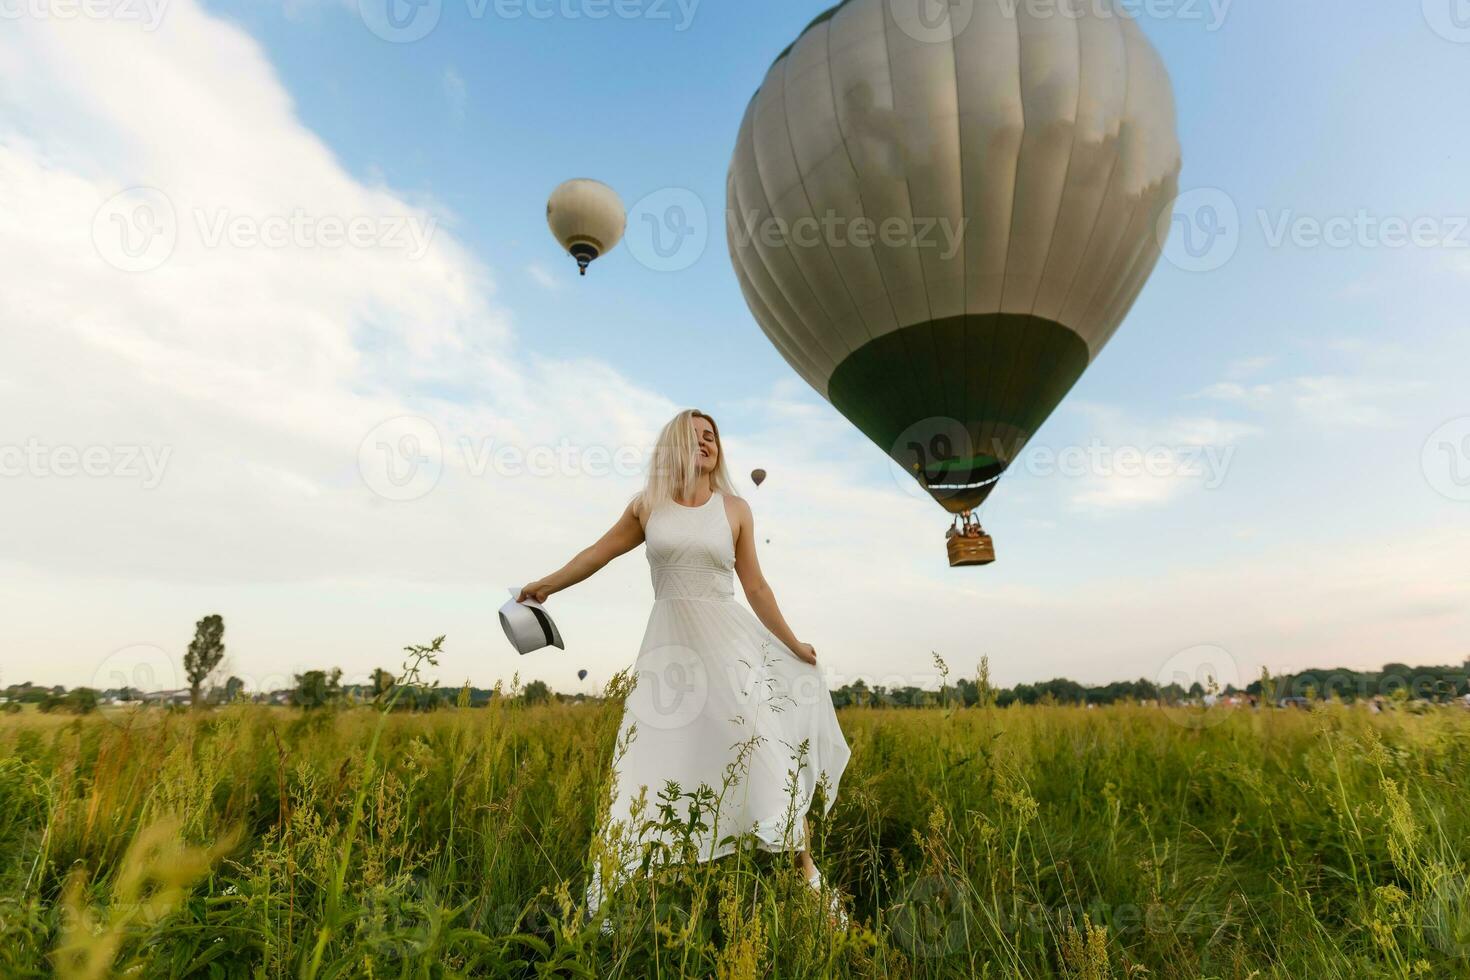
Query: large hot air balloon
{"points": [[587, 218], [939, 219], [758, 477], [581, 675]]}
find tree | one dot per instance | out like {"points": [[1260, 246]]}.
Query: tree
{"points": [[536, 692], [383, 682], [82, 701], [233, 687], [206, 650], [317, 688]]}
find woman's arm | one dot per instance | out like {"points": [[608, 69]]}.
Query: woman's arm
{"points": [[624, 536], [757, 590]]}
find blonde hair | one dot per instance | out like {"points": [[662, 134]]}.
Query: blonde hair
{"points": [[675, 468]]}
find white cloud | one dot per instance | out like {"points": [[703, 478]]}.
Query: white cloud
{"points": [[1128, 464], [457, 94], [543, 277], [1246, 367], [1252, 396], [260, 369], [1332, 401], [1336, 402]]}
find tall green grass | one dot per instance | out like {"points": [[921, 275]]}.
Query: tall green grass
{"points": [[1046, 841]]}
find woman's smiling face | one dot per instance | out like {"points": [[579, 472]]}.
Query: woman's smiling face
{"points": [[709, 446]]}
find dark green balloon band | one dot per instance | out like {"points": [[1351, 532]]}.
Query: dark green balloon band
{"points": [[953, 401]]}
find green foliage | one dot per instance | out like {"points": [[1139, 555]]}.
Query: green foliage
{"points": [[205, 652], [79, 701], [1123, 841], [317, 688], [382, 682]]}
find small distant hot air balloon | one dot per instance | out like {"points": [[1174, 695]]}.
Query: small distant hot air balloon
{"points": [[1025, 161], [587, 218], [581, 675], [758, 476]]}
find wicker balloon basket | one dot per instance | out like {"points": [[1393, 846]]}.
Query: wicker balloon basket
{"points": [[968, 543]]}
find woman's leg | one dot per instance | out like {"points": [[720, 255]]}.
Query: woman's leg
{"points": [[804, 861], [808, 868]]}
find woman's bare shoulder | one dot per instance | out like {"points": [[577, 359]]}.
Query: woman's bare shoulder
{"points": [[637, 510]]}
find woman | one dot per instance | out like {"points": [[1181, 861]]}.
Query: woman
{"points": [[720, 700]]}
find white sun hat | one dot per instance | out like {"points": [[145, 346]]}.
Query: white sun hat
{"points": [[527, 625]]}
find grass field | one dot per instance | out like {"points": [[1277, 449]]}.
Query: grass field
{"points": [[1044, 841]]}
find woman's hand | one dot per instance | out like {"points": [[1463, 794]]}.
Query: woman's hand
{"points": [[540, 590], [806, 653]]}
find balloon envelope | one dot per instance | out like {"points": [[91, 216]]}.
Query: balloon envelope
{"points": [[939, 219], [758, 477], [587, 218], [581, 675]]}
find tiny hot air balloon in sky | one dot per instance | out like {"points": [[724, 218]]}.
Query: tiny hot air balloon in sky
{"points": [[587, 218], [758, 477], [581, 675], [939, 218]]}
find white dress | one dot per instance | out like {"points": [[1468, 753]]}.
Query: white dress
{"points": [[719, 702]]}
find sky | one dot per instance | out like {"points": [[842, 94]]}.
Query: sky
{"points": [[259, 254]]}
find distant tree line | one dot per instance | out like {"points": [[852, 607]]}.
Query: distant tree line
{"points": [[1393, 682], [317, 689]]}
